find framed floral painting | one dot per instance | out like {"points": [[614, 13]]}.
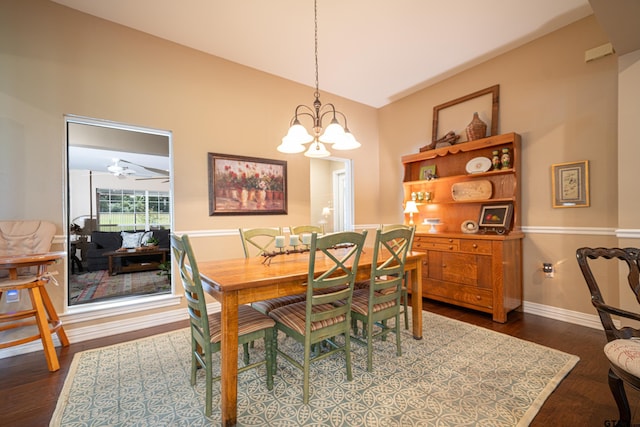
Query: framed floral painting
{"points": [[246, 185]]}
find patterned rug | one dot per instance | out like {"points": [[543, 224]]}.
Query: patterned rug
{"points": [[98, 285], [458, 375]]}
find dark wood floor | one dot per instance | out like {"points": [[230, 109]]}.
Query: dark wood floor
{"points": [[28, 391]]}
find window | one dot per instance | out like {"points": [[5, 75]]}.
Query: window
{"points": [[121, 210]]}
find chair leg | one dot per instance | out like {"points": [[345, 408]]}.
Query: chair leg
{"points": [[405, 297], [347, 354], [209, 375], [305, 383], [369, 344], [43, 326], [245, 353], [270, 356], [617, 389], [398, 343]]}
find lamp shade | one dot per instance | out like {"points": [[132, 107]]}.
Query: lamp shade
{"points": [[411, 207], [333, 134], [290, 147], [297, 134], [348, 142], [317, 150]]}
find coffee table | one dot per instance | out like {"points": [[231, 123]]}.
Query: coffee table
{"points": [[131, 254]]}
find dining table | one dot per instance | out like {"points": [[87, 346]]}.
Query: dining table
{"points": [[44, 312], [245, 280]]}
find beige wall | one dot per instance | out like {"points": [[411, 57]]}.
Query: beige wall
{"points": [[56, 61], [565, 110]]}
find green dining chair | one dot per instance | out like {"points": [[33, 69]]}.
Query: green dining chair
{"points": [[300, 229], [324, 315], [263, 240], [405, 291], [257, 241], [206, 328], [381, 300]]}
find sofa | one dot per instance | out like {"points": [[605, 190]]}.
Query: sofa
{"points": [[109, 241]]}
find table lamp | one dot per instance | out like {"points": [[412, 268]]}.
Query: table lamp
{"points": [[411, 208]]}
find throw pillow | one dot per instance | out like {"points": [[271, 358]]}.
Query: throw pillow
{"points": [[131, 240], [145, 238]]}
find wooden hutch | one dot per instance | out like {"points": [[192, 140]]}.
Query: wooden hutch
{"points": [[481, 270]]}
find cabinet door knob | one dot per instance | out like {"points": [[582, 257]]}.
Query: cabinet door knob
{"points": [[444, 265], [478, 297], [475, 246], [450, 247]]}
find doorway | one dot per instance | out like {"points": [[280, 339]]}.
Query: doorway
{"points": [[331, 189]]}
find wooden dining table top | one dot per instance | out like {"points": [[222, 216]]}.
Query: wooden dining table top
{"points": [[240, 273]]}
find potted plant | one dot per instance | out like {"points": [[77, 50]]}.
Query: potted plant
{"points": [[152, 241], [165, 269]]}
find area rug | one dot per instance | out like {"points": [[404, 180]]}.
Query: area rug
{"points": [[99, 285], [458, 375]]}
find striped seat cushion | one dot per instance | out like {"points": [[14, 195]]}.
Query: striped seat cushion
{"points": [[360, 302], [293, 316], [249, 320], [625, 354], [267, 306]]}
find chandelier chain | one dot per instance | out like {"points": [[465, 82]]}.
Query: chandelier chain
{"points": [[315, 14]]}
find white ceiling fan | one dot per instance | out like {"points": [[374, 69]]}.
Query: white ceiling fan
{"points": [[160, 173], [120, 171]]}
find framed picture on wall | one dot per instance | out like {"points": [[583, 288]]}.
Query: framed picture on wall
{"points": [[570, 184], [246, 185]]}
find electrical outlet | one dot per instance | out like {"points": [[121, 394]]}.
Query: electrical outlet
{"points": [[13, 295], [547, 267]]}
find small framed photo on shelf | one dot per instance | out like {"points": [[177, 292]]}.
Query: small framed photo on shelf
{"points": [[496, 218], [570, 184], [428, 173]]}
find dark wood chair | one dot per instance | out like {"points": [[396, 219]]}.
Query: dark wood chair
{"points": [[206, 329], [623, 346], [326, 312]]}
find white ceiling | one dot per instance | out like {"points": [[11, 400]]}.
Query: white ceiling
{"points": [[370, 51]]}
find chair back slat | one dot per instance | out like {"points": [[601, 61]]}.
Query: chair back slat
{"points": [[258, 240], [387, 272], [335, 285]]}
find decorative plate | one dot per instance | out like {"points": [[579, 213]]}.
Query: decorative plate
{"points": [[469, 227], [478, 164]]}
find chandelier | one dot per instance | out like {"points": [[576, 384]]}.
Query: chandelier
{"points": [[335, 133]]}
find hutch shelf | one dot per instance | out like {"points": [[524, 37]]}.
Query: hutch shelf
{"points": [[482, 270]]}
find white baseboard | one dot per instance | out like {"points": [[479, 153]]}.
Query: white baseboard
{"points": [[569, 316]]}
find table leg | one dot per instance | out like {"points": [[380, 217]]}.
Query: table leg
{"points": [[229, 359], [110, 265], [416, 299]]}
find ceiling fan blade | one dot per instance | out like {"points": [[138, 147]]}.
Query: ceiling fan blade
{"points": [[150, 169]]}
